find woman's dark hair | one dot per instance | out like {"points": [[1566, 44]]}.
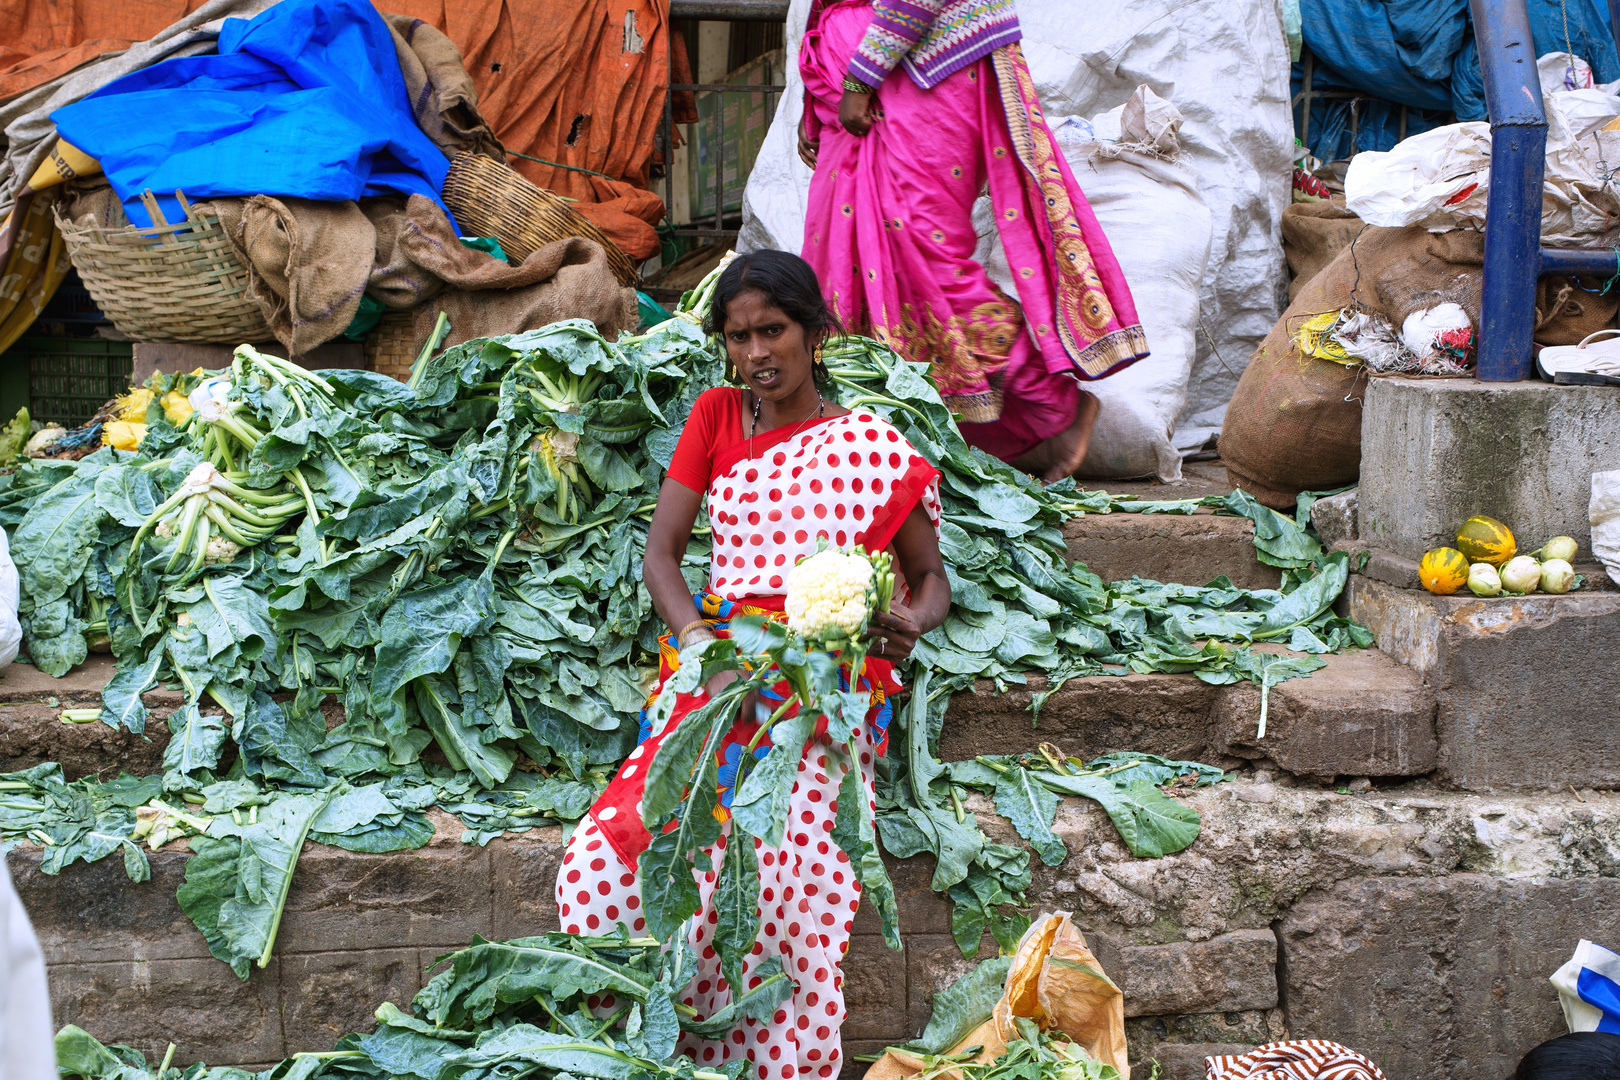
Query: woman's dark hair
{"points": [[789, 284], [1584, 1055]]}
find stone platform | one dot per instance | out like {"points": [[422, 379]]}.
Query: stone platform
{"points": [[1435, 452], [1412, 920], [1417, 925], [1526, 686]]}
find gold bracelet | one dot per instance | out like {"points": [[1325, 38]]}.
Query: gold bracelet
{"points": [[695, 624], [855, 86]]}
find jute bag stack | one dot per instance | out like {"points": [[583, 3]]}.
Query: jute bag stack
{"points": [[1294, 422]]}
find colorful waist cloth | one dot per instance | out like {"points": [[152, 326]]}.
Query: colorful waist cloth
{"points": [[618, 809], [1298, 1059]]}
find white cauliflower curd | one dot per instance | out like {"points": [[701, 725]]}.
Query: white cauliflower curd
{"points": [[828, 594]]}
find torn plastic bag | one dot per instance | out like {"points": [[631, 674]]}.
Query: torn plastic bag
{"points": [[1054, 981], [10, 631], [1440, 179]]}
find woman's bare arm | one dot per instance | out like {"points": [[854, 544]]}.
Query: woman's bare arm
{"points": [[667, 536]]}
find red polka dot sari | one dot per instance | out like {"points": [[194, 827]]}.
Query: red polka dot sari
{"points": [[851, 480]]}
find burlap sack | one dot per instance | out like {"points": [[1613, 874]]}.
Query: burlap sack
{"points": [[1313, 235], [396, 281], [93, 196], [308, 263], [1054, 981], [568, 279], [1294, 421], [441, 92], [1570, 308]]}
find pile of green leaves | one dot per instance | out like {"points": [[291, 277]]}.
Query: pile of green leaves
{"points": [[1034, 1055], [84, 819], [920, 809], [1022, 607], [556, 1006], [464, 578]]}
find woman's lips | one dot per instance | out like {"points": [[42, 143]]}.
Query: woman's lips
{"points": [[765, 377]]}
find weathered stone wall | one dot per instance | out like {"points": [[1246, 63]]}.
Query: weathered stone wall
{"points": [[1411, 920], [1416, 925]]}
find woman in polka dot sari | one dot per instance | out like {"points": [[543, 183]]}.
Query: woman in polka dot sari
{"points": [[779, 468]]}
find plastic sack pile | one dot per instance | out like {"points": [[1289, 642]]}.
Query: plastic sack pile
{"points": [[1440, 179]]}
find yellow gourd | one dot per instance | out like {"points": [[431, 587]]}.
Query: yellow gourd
{"points": [[1484, 539], [1443, 571]]}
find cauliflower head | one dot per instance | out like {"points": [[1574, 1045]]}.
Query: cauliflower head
{"points": [[829, 595]]}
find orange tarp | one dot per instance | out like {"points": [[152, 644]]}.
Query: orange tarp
{"points": [[577, 82], [47, 38]]}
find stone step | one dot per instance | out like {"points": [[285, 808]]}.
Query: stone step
{"points": [[1297, 913], [1526, 686], [1188, 549], [1361, 715]]}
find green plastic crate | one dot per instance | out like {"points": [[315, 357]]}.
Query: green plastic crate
{"points": [[70, 378]]}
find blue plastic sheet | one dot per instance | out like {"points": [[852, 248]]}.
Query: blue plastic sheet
{"points": [[306, 99], [1401, 50], [1421, 53], [1589, 36]]}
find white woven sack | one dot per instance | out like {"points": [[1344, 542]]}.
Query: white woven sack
{"points": [[1605, 512]]}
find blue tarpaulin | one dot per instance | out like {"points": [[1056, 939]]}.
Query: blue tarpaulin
{"points": [[1421, 54], [1589, 38], [306, 99]]}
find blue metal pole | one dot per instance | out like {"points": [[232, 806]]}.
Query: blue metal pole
{"points": [[1598, 262], [1507, 60]]}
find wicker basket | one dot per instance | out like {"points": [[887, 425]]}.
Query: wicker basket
{"points": [[164, 282], [492, 199], [391, 346]]}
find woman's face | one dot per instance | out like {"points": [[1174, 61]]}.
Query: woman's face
{"points": [[769, 348]]}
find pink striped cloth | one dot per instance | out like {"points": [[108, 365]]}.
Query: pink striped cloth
{"points": [[1297, 1059]]}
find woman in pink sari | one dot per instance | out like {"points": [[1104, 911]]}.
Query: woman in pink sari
{"points": [[900, 158]]}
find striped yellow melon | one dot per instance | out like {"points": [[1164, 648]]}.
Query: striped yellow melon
{"points": [[1443, 570], [1484, 539]]}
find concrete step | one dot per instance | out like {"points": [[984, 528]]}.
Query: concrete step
{"points": [[1526, 686], [30, 731], [1297, 913], [1189, 549], [1361, 715], [1186, 549]]}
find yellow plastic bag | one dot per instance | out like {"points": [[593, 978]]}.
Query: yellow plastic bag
{"points": [[122, 434], [63, 162], [133, 405], [1315, 338], [177, 407], [1054, 981]]}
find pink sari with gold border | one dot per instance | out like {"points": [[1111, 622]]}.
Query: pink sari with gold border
{"points": [[890, 233]]}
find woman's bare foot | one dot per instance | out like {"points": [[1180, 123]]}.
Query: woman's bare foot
{"points": [[1067, 449], [1054, 458]]}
